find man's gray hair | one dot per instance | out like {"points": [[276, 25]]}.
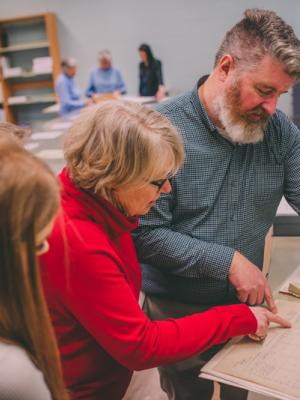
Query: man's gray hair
{"points": [[68, 63], [261, 33], [105, 55]]}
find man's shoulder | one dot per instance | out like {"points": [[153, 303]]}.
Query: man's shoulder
{"points": [[279, 116], [173, 105], [61, 78], [281, 135], [116, 70], [281, 125], [94, 71]]}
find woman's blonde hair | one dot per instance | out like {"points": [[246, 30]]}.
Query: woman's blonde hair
{"points": [[121, 143], [9, 129], [29, 200]]}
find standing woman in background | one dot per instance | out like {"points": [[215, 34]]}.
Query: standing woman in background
{"points": [[150, 72], [29, 199]]}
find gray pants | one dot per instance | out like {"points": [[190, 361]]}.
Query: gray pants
{"points": [[180, 380]]}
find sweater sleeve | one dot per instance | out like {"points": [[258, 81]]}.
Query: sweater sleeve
{"points": [[120, 84], [65, 99], [90, 90], [100, 297]]}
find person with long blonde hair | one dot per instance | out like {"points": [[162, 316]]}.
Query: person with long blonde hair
{"points": [[29, 200]]}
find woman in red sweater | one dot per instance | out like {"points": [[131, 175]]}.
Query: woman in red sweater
{"points": [[120, 157]]}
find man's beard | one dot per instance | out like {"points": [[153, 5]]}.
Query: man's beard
{"points": [[238, 126]]}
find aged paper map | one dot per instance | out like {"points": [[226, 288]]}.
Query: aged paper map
{"points": [[271, 367]]}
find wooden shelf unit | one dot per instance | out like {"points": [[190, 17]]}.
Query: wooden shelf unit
{"points": [[24, 46], [21, 40], [35, 99]]}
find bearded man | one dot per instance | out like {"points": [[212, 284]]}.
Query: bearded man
{"points": [[203, 244]]}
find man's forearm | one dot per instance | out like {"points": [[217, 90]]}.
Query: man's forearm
{"points": [[182, 255]]}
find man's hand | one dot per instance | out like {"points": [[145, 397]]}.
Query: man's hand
{"points": [[263, 318], [251, 285], [88, 101], [116, 93]]}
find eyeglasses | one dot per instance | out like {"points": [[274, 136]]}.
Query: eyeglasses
{"points": [[160, 183]]}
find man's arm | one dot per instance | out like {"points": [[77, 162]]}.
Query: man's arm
{"points": [[159, 244], [65, 98], [291, 134], [120, 84], [90, 90]]}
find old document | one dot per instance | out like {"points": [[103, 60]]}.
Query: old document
{"points": [[293, 279], [271, 367]]}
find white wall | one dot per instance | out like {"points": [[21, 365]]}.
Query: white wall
{"points": [[183, 34]]}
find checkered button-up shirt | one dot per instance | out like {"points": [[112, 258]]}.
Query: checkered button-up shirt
{"points": [[223, 199]]}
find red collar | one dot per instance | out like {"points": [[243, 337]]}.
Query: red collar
{"points": [[78, 202]]}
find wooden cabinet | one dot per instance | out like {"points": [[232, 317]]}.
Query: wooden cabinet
{"points": [[30, 63]]}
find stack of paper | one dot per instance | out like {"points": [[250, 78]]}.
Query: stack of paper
{"points": [[42, 65], [271, 367], [4, 62], [12, 72], [17, 99]]}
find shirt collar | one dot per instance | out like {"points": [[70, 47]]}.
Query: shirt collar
{"points": [[105, 69], [86, 203], [200, 107], [67, 76]]}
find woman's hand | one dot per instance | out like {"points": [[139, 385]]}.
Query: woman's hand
{"points": [[161, 93], [263, 318]]}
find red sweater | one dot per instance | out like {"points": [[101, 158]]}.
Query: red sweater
{"points": [[92, 281]]}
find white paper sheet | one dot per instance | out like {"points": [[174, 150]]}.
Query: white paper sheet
{"points": [[139, 99], [271, 367]]}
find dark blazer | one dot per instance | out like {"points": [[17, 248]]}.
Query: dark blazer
{"points": [[155, 77]]}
